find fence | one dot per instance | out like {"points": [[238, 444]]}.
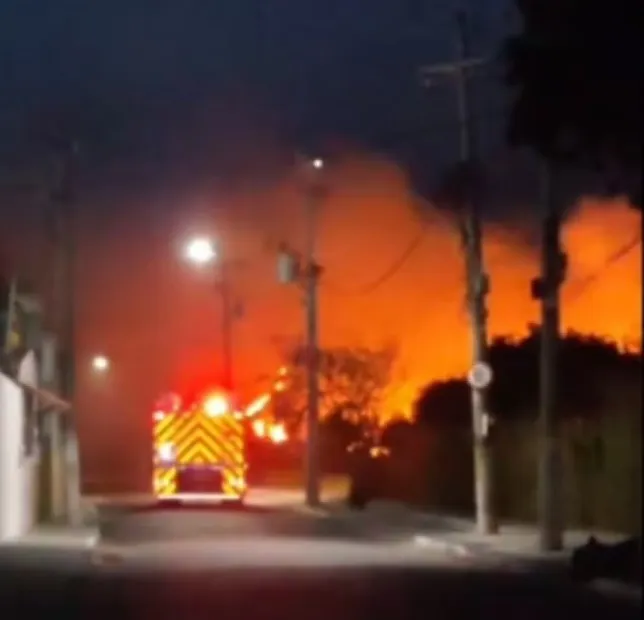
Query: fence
{"points": [[602, 472]]}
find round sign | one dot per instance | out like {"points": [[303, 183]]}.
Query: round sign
{"points": [[480, 376]]}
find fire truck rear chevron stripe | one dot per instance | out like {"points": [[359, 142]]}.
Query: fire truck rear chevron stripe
{"points": [[198, 442], [216, 437], [163, 424], [201, 440], [215, 426], [211, 450]]}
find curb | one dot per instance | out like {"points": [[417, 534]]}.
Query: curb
{"points": [[326, 509], [604, 586], [313, 512], [53, 540], [106, 557], [443, 546]]}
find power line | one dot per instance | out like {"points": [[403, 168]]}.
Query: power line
{"points": [[451, 221], [581, 285], [615, 257], [389, 273]]}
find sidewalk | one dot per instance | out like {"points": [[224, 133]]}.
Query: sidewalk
{"points": [[56, 537], [517, 545], [512, 539]]}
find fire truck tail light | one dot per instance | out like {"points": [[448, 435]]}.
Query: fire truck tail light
{"points": [[166, 452]]}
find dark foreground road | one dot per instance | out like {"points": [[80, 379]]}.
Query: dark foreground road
{"points": [[272, 564], [304, 580]]}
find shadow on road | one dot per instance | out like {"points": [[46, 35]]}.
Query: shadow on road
{"points": [[317, 593]]}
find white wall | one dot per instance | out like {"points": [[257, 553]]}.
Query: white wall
{"points": [[18, 473]]}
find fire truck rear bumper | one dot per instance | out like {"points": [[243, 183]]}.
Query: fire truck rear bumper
{"points": [[199, 498]]}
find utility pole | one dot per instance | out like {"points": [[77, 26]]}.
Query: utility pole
{"points": [[546, 289], [477, 280], [314, 193], [225, 291], [200, 251], [65, 247], [64, 219], [9, 335], [306, 271]]}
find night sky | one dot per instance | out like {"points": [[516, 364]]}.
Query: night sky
{"points": [[197, 89]]}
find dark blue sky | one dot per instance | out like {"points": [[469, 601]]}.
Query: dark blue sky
{"points": [[182, 89]]}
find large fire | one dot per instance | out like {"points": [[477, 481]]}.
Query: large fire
{"points": [[167, 331]]}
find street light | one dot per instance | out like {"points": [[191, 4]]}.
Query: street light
{"points": [[100, 363], [201, 251]]}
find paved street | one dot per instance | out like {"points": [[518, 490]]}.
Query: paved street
{"points": [[275, 562], [283, 579]]}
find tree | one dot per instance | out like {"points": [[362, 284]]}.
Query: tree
{"points": [[353, 384], [588, 368], [575, 69], [397, 433], [445, 404]]}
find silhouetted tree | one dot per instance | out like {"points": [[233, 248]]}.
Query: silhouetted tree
{"points": [[396, 434], [575, 67], [340, 431], [586, 365], [445, 404], [353, 382]]}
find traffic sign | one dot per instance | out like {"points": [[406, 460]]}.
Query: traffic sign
{"points": [[480, 376]]}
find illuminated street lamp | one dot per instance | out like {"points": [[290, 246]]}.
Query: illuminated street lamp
{"points": [[201, 251], [100, 363]]}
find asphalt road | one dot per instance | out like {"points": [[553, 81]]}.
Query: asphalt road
{"points": [[274, 564]]}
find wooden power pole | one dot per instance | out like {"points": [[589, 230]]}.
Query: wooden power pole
{"points": [[305, 271], [546, 289], [64, 298], [477, 283], [64, 221]]}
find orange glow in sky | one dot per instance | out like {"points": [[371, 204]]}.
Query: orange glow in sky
{"points": [[159, 318]]}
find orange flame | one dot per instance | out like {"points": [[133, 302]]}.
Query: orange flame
{"points": [[277, 433], [259, 428]]}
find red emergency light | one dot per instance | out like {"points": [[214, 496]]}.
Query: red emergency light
{"points": [[216, 404]]}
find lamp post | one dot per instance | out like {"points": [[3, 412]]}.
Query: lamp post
{"points": [[201, 251]]}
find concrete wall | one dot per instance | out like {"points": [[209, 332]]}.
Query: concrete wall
{"points": [[18, 471]]}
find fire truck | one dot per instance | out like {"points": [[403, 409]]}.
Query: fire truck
{"points": [[199, 449]]}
